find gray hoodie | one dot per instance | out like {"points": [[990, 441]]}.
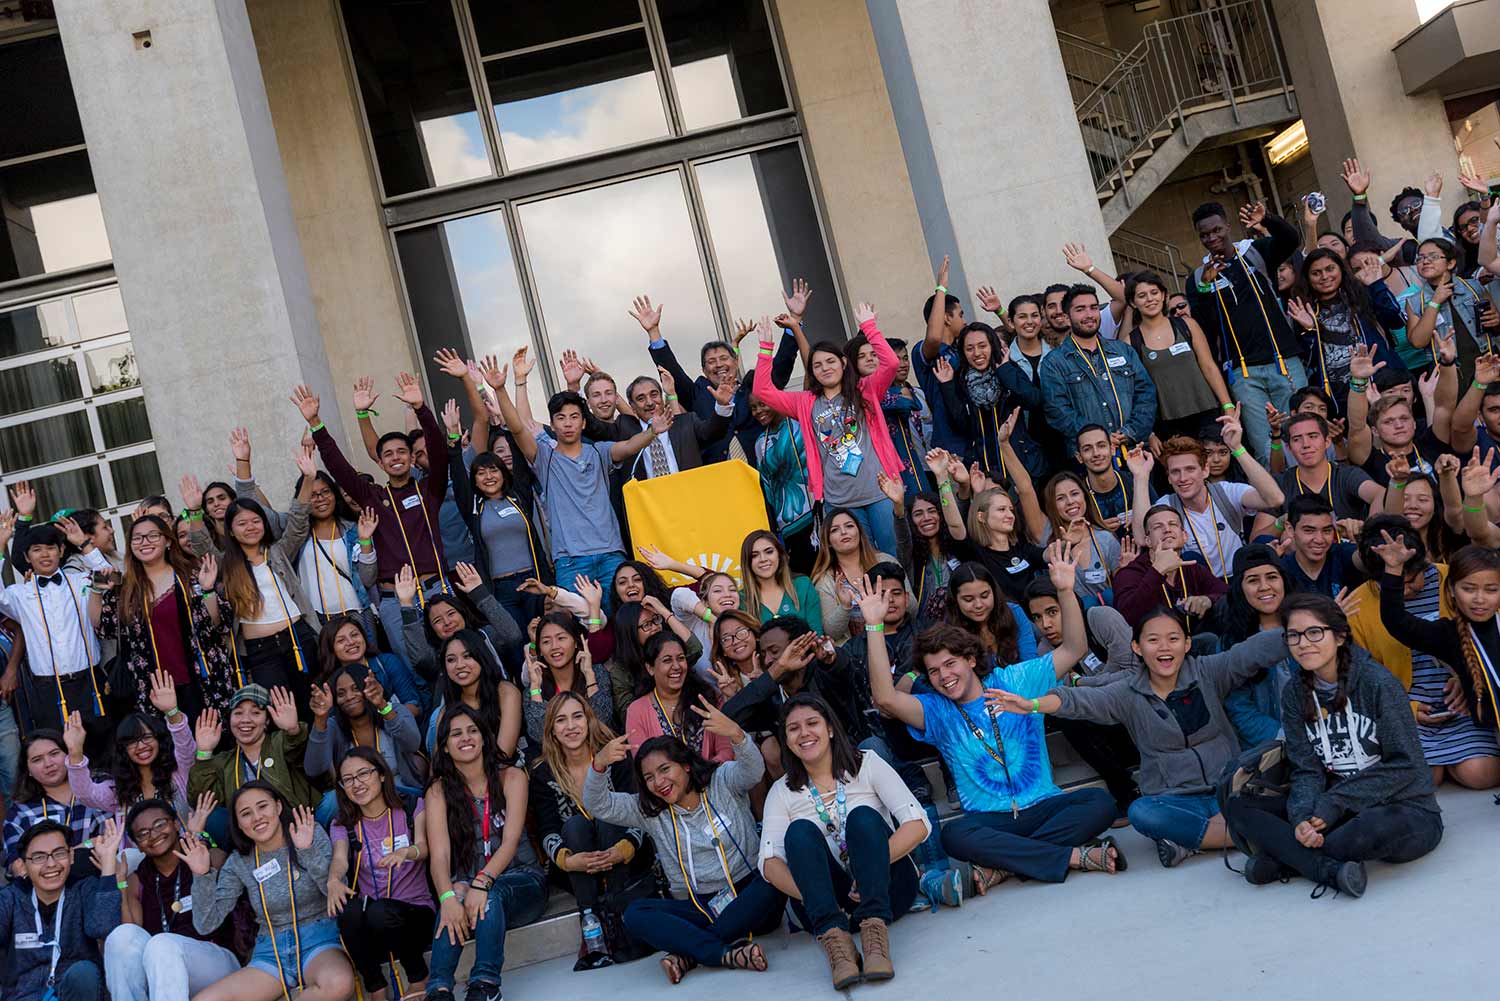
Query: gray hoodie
{"points": [[727, 794], [1365, 754], [1186, 739]]}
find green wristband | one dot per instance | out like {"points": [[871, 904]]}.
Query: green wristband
{"points": [[1236, 453], [940, 288], [1275, 446], [671, 398], [708, 617], [386, 709], [1036, 705], [120, 885], [534, 691], [878, 627], [1480, 385], [1226, 406], [1361, 198], [203, 755], [315, 427], [446, 896], [596, 622], [1474, 510], [365, 415], [1398, 484], [913, 675]]}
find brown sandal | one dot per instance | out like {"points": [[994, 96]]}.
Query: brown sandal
{"points": [[676, 967], [986, 879], [745, 956]]}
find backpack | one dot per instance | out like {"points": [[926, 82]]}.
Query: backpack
{"points": [[1260, 771]]}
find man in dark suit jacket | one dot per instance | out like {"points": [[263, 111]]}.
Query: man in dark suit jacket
{"points": [[682, 447]]}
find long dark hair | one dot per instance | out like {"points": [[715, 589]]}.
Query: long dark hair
{"points": [[846, 757], [1236, 620], [241, 841], [349, 814], [461, 602], [944, 537], [134, 586], [650, 579], [630, 653], [700, 770], [693, 686], [489, 460], [235, 570], [1466, 562], [357, 673], [568, 624], [458, 807], [342, 512], [1001, 623], [1326, 611], [1351, 290], [487, 687], [997, 354], [28, 789], [163, 766], [1468, 253], [1441, 540], [328, 661], [848, 353]]}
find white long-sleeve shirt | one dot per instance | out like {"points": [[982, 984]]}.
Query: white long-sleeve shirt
{"points": [[55, 619]]}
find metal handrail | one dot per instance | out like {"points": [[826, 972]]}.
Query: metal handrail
{"points": [[1213, 58], [1138, 252]]}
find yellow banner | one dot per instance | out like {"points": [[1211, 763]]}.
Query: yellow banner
{"points": [[700, 516]]}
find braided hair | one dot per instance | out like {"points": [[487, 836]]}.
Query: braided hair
{"points": [[1466, 562]]}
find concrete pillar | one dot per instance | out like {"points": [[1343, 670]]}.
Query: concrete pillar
{"points": [[201, 225], [1350, 94], [992, 144]]}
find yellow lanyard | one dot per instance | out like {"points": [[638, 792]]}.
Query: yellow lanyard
{"points": [[238, 771], [1228, 322], [536, 564], [286, 612], [1124, 495], [83, 635], [271, 929], [718, 846], [1327, 485], [390, 879], [1107, 374], [1167, 595], [318, 572], [666, 720], [1322, 358], [1213, 520], [431, 537], [192, 630]]}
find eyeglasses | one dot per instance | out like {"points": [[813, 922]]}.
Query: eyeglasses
{"points": [[1312, 634], [360, 777], [1430, 258], [162, 826], [136, 741], [147, 537], [59, 856], [735, 635]]}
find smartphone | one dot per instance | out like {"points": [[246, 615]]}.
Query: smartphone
{"points": [[1444, 714], [1317, 202]]}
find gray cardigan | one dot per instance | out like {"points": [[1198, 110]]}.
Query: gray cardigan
{"points": [[399, 737], [216, 892], [1173, 762], [728, 795], [498, 626]]}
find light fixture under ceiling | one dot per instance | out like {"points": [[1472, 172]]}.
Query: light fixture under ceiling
{"points": [[1288, 144]]}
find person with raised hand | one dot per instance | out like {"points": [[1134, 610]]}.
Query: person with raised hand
{"points": [[146, 764], [470, 605], [336, 562], [1016, 820], [667, 705], [1172, 704], [1164, 573], [842, 419], [472, 675], [64, 963], [43, 792], [408, 532], [280, 862], [156, 953], [384, 906], [343, 642], [702, 811]]}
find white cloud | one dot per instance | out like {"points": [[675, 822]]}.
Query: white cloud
{"points": [[454, 152], [586, 120]]}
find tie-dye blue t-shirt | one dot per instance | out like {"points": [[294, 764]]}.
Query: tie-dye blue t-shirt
{"points": [[983, 785]]}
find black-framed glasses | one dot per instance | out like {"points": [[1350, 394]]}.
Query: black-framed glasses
{"points": [[162, 826], [1312, 634], [147, 537], [137, 740], [58, 855], [735, 635], [361, 777]]}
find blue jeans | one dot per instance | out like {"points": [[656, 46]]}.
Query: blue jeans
{"points": [[886, 888], [679, 928], [1265, 384], [600, 566], [879, 523], [389, 611], [10, 747], [518, 897], [1183, 819], [81, 981], [1039, 843]]}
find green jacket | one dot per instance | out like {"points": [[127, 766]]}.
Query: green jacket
{"points": [[280, 765]]}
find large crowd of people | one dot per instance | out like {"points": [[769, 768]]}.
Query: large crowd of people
{"points": [[323, 733]]}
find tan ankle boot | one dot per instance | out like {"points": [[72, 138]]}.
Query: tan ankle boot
{"points": [[875, 942], [843, 961]]}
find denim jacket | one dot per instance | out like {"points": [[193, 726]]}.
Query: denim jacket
{"points": [[1074, 396]]}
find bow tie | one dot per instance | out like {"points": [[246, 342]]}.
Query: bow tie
{"points": [[56, 578]]}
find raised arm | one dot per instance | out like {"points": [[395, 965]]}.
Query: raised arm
{"points": [[622, 809], [1079, 260], [932, 343], [1140, 462], [937, 462], [520, 430], [1020, 477], [631, 447], [345, 475], [1267, 493], [1466, 413], [888, 699], [1478, 481], [783, 401], [1062, 569]]}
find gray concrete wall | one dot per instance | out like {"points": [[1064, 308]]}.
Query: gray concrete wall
{"points": [[199, 217], [991, 140]]}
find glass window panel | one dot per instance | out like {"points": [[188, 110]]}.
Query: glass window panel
{"points": [[100, 314], [461, 277], [52, 439], [592, 251], [36, 99], [135, 477], [503, 27], [723, 59], [576, 99], [410, 66], [111, 368], [124, 423], [44, 384], [764, 228], [76, 488], [51, 217], [35, 328]]}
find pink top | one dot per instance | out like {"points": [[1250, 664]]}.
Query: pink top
{"points": [[101, 795], [642, 723], [799, 404]]}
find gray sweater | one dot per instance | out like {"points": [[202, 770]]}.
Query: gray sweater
{"points": [[398, 733], [1366, 754], [498, 627], [215, 894], [728, 796], [1185, 745]]}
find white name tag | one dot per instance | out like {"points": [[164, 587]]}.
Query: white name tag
{"points": [[265, 872], [1180, 348], [28, 940], [1018, 566], [1091, 663], [1118, 361], [1094, 576], [411, 502], [402, 841], [184, 905], [508, 511]]}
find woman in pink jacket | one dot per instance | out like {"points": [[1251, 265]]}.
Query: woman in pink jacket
{"points": [[842, 418]]}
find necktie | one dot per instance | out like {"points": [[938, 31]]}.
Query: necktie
{"points": [[658, 456]]}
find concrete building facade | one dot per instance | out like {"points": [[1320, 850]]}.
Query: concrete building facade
{"points": [[209, 201]]}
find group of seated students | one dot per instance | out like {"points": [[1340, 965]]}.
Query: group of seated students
{"points": [[1170, 529]]}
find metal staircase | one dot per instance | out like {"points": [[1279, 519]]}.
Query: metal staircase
{"points": [[1139, 252], [1190, 79]]}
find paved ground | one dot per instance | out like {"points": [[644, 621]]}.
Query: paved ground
{"points": [[1195, 933]]}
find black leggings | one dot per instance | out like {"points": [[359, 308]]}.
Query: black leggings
{"points": [[1395, 832], [1109, 751], [374, 929]]}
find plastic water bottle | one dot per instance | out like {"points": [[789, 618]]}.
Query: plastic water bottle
{"points": [[593, 933]]}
